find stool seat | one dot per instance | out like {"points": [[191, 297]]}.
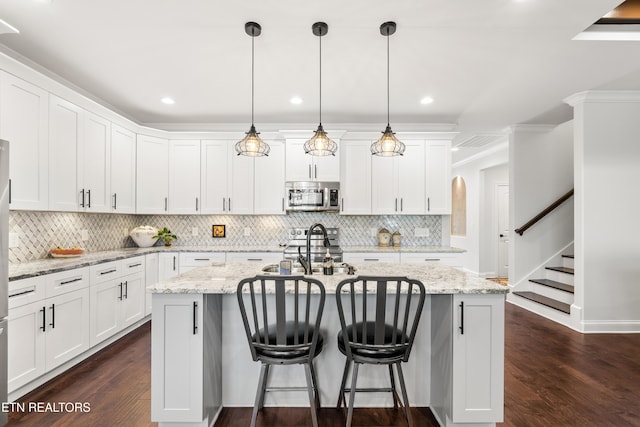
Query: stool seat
{"points": [[293, 347], [382, 350]]}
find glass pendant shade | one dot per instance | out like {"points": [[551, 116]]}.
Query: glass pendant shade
{"points": [[388, 145], [320, 144], [252, 145]]}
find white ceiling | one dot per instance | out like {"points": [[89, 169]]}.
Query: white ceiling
{"points": [[488, 64]]}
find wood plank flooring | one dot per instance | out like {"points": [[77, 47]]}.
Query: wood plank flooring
{"points": [[553, 377]]}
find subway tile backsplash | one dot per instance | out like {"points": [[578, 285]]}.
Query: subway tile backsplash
{"points": [[38, 232]]}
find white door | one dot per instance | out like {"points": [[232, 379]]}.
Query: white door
{"points": [[438, 177], [26, 344], [298, 163], [64, 126], [411, 179], [269, 181], [214, 158], [123, 170], [95, 162], [168, 266], [184, 177], [67, 327], [24, 123], [104, 305], [152, 182], [356, 178], [384, 188], [502, 211], [132, 306], [326, 168], [241, 189]]}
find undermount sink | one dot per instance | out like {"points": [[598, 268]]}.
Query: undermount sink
{"points": [[298, 269]]}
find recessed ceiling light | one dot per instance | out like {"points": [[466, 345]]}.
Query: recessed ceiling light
{"points": [[167, 100], [296, 100], [455, 148], [426, 100]]}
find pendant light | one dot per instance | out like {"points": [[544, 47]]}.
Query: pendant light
{"points": [[388, 145], [252, 145], [320, 144]]}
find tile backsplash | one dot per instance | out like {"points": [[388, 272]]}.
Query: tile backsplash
{"points": [[38, 232]]}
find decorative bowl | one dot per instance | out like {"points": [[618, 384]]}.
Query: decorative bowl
{"points": [[143, 236]]}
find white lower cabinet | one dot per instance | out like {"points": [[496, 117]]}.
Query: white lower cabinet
{"points": [[168, 265], [467, 358], [186, 373], [371, 257], [119, 302], [49, 324], [150, 278], [264, 257], [190, 260]]}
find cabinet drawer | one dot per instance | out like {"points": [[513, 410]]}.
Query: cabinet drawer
{"points": [[445, 258], [26, 291], [254, 256], [133, 265], [66, 281], [198, 259], [371, 257], [105, 271]]}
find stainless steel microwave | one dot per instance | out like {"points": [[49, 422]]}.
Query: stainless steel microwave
{"points": [[312, 196]]}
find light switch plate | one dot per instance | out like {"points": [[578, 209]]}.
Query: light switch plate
{"points": [[84, 235]]}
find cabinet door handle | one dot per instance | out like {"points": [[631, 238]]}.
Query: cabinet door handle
{"points": [[202, 259], [428, 204], [254, 259], [135, 265], [22, 293], [108, 272], [229, 204], [396, 204], [195, 317], [77, 279], [44, 321], [115, 201], [461, 327], [371, 259], [9, 191], [342, 204], [315, 171], [126, 289], [283, 204], [82, 202], [432, 259], [224, 204], [89, 198], [166, 203], [120, 295], [196, 204], [401, 204], [174, 263], [53, 316], [309, 171]]}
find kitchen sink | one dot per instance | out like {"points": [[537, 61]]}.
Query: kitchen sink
{"points": [[298, 269]]}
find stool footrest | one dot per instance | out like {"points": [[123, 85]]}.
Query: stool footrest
{"points": [[371, 390], [285, 389]]}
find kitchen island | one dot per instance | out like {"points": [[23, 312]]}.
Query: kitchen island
{"points": [[201, 361]]}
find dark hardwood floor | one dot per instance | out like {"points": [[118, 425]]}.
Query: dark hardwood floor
{"points": [[553, 377]]}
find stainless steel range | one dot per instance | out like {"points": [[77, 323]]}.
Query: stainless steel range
{"points": [[298, 239]]}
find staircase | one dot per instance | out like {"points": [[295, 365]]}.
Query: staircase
{"points": [[552, 295]]}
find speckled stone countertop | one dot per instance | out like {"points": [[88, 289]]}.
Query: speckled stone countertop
{"points": [[402, 249], [224, 279], [53, 265]]}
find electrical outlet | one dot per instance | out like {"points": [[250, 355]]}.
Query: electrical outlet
{"points": [[373, 232], [14, 240], [194, 231], [421, 232], [84, 235], [247, 231]]}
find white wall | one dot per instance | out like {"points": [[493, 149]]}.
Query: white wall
{"points": [[470, 170], [540, 171], [607, 243]]}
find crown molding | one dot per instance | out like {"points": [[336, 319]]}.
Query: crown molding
{"points": [[598, 96]]}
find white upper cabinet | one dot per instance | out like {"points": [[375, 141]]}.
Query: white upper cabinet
{"points": [[152, 180], [269, 181], [64, 133], [438, 165], [24, 123], [355, 185], [241, 191], [123, 170], [398, 183], [301, 166], [214, 167], [94, 163], [184, 177]]}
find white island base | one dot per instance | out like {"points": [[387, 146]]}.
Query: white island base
{"points": [[201, 360]]}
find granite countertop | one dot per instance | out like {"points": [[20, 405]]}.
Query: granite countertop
{"points": [[43, 266], [395, 249], [224, 279]]}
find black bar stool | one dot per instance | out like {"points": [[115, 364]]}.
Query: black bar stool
{"points": [[381, 333], [283, 328]]}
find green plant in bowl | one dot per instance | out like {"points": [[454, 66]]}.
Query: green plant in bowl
{"points": [[166, 235]]}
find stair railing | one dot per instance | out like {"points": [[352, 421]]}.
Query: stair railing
{"points": [[544, 213]]}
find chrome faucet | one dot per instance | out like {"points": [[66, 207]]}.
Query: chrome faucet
{"points": [[306, 261]]}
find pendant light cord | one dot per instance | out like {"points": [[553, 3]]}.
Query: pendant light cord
{"points": [[320, 39], [388, 120], [253, 36]]}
